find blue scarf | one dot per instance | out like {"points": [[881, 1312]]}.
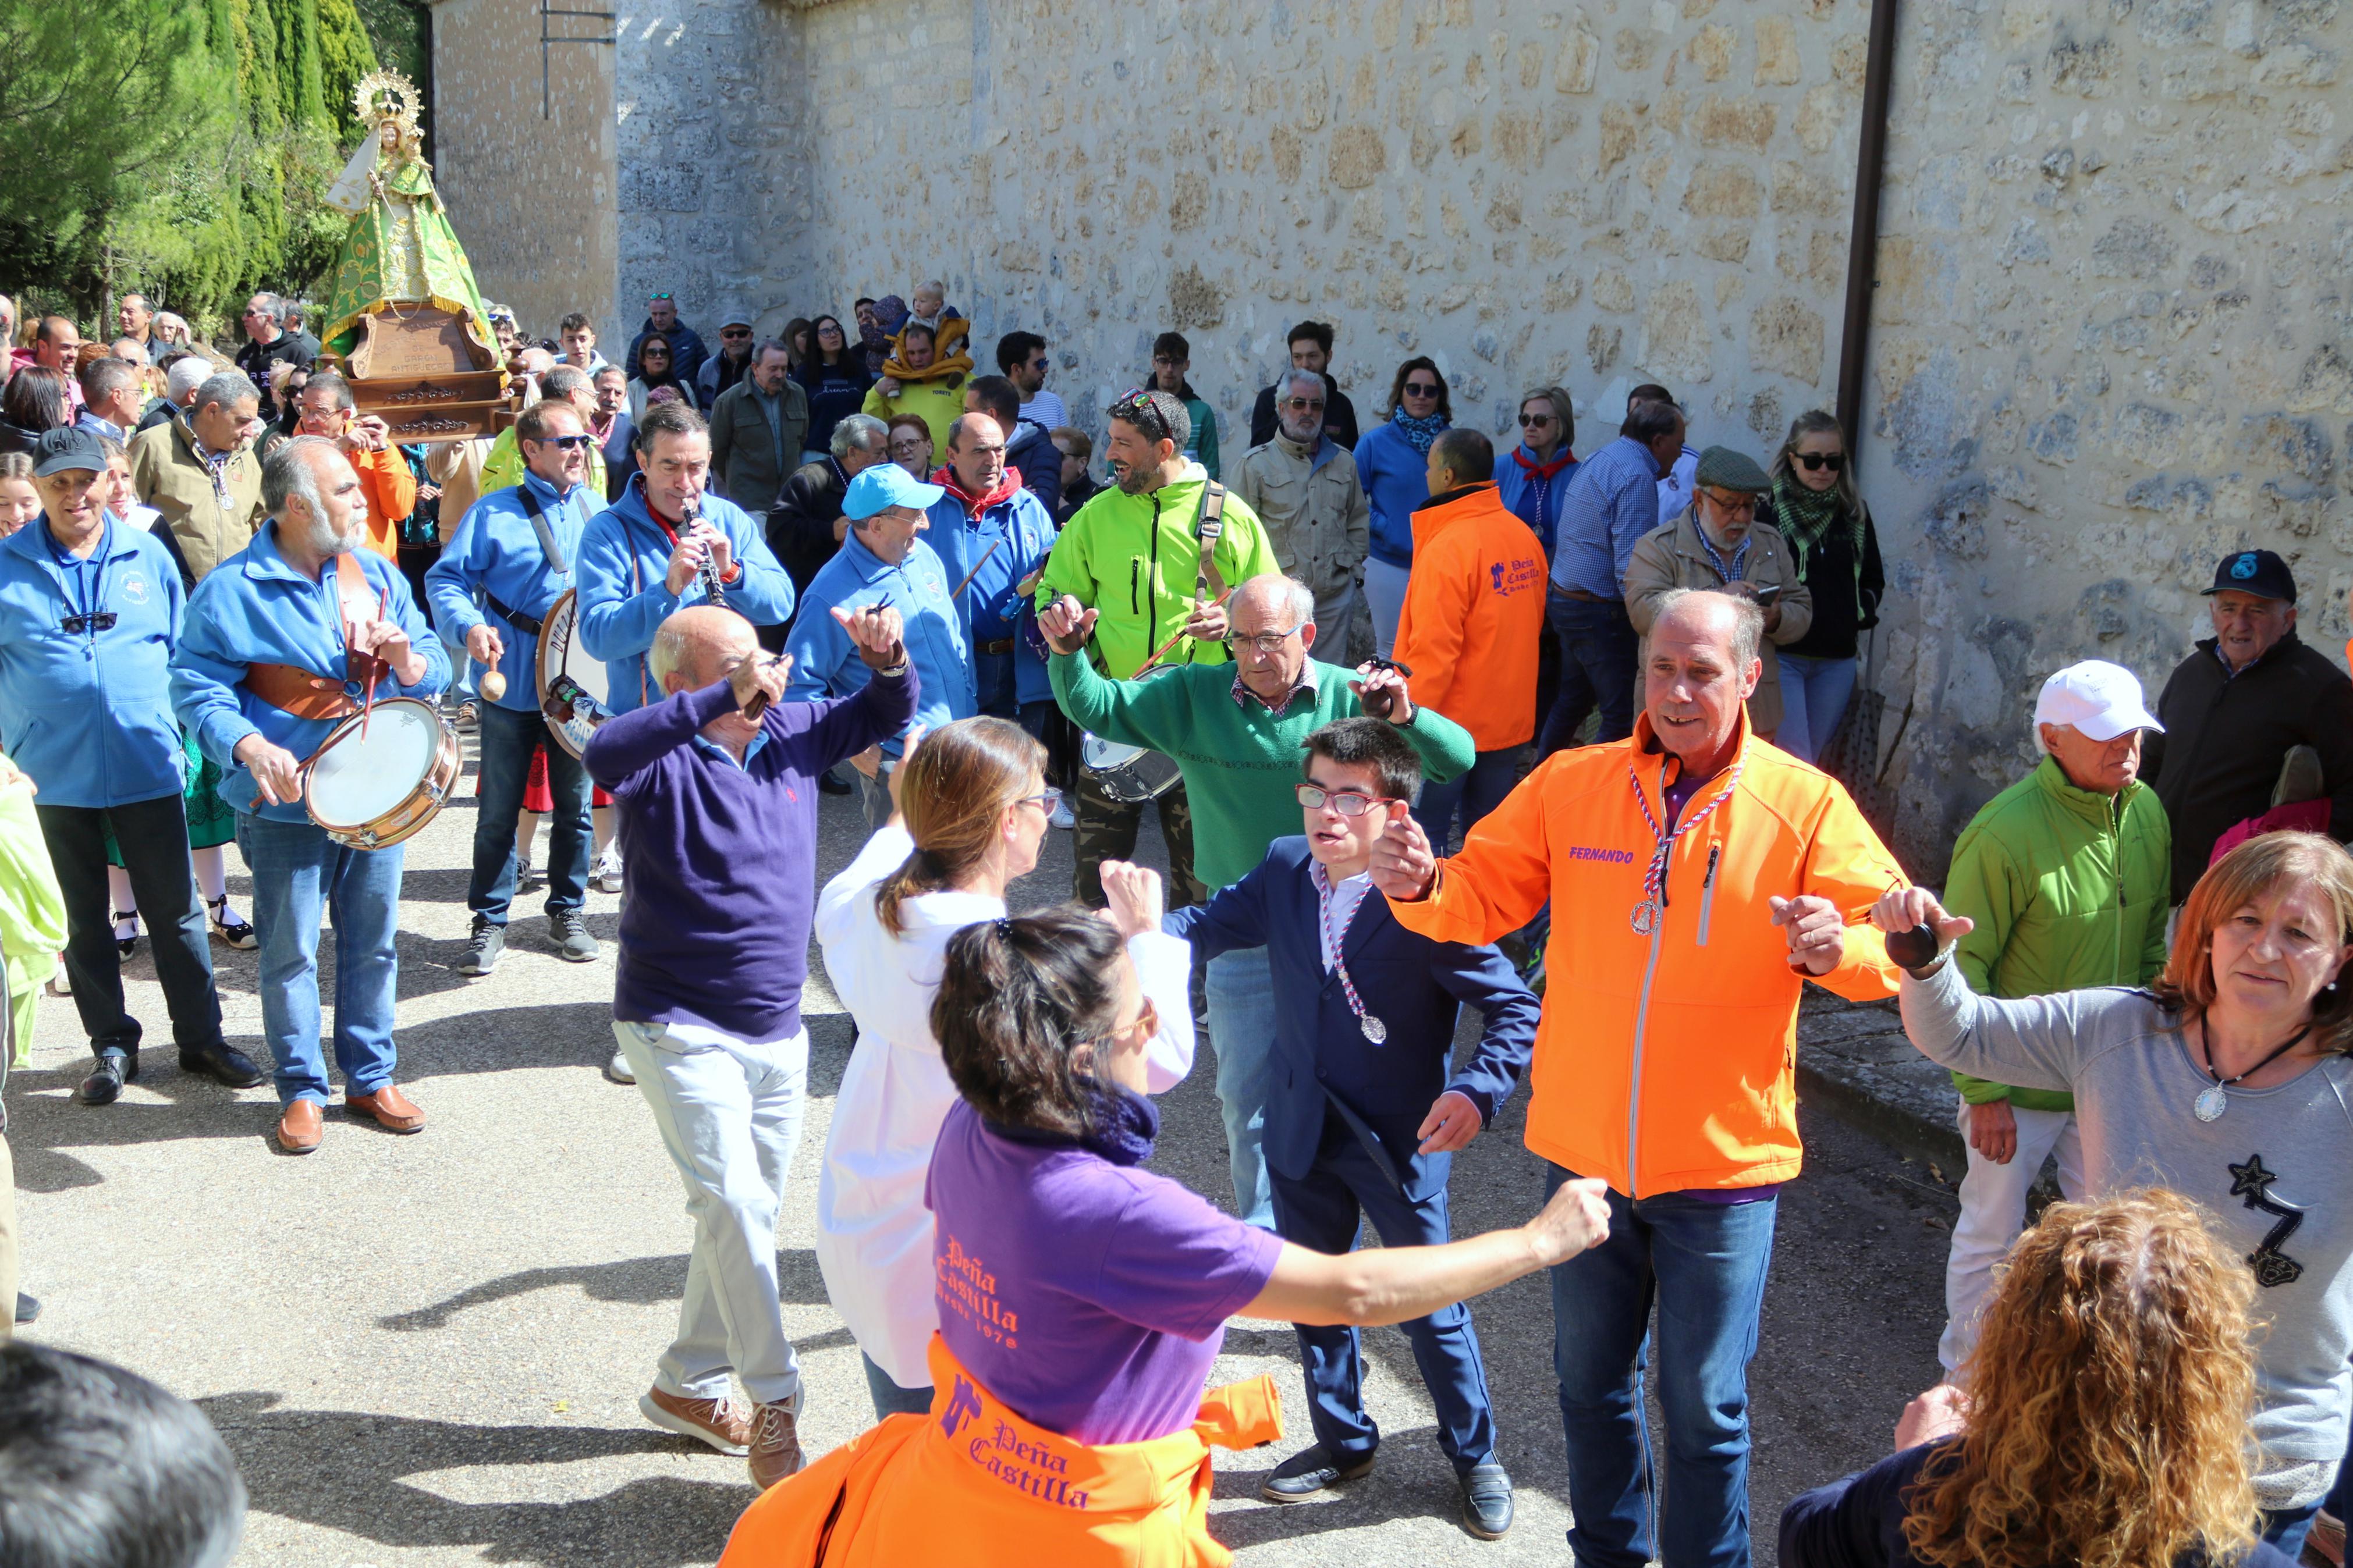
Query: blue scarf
{"points": [[1421, 432], [1122, 1126]]}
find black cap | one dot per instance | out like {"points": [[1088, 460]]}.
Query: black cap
{"points": [[2256, 571], [67, 448]]}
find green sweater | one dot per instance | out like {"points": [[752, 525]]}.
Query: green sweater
{"points": [[1241, 763], [2069, 891]]}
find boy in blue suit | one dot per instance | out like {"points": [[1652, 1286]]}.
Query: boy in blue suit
{"points": [[1363, 1111]]}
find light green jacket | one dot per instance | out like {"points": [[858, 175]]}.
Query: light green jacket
{"points": [[32, 912]]}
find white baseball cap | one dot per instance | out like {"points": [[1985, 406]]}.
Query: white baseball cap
{"points": [[2096, 699]]}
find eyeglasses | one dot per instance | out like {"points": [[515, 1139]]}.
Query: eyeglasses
{"points": [[1044, 800], [1316, 797], [569, 443], [1529, 420], [1265, 642], [831, 329], [1421, 389], [734, 331], [1137, 407], [908, 446], [1301, 405], [1814, 461], [1738, 506], [1146, 1022]]}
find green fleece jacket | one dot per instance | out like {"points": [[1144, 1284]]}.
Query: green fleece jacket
{"points": [[1132, 559], [1240, 761], [2069, 891]]}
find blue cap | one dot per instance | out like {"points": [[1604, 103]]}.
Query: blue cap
{"points": [[884, 485], [68, 447]]}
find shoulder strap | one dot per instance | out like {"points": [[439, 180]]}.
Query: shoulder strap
{"points": [[1208, 524], [359, 603], [536, 510]]}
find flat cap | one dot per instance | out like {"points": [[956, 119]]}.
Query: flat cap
{"points": [[1729, 468]]}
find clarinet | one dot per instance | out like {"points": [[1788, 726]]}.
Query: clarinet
{"points": [[713, 592]]}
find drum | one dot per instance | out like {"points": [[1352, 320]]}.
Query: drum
{"points": [[373, 791], [1125, 774], [571, 691]]}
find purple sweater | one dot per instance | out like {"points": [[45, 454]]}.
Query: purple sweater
{"points": [[722, 859]]}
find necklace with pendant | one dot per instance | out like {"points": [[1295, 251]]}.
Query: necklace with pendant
{"points": [[1369, 1023], [1654, 895], [2211, 1101]]}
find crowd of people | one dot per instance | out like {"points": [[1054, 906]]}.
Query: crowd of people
{"points": [[1431, 721]]}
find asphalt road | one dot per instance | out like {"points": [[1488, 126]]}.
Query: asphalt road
{"points": [[429, 1349]]}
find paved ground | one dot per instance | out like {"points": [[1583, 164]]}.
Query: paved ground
{"points": [[429, 1349]]}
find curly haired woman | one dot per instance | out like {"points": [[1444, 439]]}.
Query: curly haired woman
{"points": [[2106, 1422]]}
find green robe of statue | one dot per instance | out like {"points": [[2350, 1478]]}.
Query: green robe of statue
{"points": [[400, 249]]}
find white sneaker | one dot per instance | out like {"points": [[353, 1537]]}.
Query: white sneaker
{"points": [[617, 1070], [1062, 817], [606, 877]]}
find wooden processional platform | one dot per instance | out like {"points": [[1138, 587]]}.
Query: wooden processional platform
{"points": [[419, 371]]}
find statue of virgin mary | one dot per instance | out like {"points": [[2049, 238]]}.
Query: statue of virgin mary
{"points": [[400, 249]]}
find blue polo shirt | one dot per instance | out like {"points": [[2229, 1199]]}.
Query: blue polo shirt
{"points": [[257, 608], [88, 713], [497, 549], [824, 661]]}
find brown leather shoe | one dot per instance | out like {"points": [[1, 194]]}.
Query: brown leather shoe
{"points": [[393, 1110], [298, 1128], [722, 1423], [775, 1446]]}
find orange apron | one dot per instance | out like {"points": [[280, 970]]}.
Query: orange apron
{"points": [[972, 1483]]}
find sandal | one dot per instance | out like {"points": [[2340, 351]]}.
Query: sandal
{"points": [[126, 943], [236, 933]]}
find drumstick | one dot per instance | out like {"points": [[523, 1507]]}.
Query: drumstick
{"points": [[978, 565], [1161, 652], [375, 665]]}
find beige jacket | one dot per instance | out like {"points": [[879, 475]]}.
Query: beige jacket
{"points": [[1315, 515], [167, 475], [1671, 556]]}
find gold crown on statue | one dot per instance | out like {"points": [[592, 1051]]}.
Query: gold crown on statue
{"points": [[385, 95]]}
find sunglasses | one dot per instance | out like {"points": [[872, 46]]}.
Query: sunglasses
{"points": [[569, 443], [1137, 407], [1530, 419], [734, 331], [1420, 389], [1316, 797], [1813, 462], [650, 298], [1301, 405]]}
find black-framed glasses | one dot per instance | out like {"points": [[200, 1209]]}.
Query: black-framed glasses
{"points": [[1136, 406], [1265, 642], [1738, 506], [833, 327], [568, 443], [1813, 461], [1316, 797], [1421, 388]]}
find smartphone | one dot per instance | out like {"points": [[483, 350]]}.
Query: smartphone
{"points": [[1767, 595]]}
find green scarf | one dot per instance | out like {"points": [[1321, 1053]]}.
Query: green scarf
{"points": [[1807, 516]]}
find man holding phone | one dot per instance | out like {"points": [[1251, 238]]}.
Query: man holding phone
{"points": [[1718, 543], [326, 410]]}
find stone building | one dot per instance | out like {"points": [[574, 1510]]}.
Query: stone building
{"points": [[2112, 334]]}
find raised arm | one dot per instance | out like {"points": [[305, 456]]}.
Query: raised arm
{"points": [[2032, 1042]]}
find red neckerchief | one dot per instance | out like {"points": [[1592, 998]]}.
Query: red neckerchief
{"points": [[735, 568], [1543, 472], [1006, 488]]}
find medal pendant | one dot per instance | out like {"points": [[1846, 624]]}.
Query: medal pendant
{"points": [[2211, 1102], [1375, 1030], [1646, 918]]}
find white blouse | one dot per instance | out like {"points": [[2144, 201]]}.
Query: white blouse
{"points": [[874, 1231]]}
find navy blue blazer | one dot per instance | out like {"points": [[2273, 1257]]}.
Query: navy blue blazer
{"points": [[1321, 1056]]}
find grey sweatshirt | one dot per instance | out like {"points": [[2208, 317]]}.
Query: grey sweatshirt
{"points": [[2274, 1173]]}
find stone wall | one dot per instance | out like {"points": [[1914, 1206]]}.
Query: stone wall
{"points": [[533, 198], [2115, 282]]}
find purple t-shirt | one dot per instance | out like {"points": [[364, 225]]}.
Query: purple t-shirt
{"points": [[1089, 1297]]}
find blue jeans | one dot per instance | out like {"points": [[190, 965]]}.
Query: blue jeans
{"points": [[996, 687], [1597, 653], [2285, 1528], [1319, 1212], [296, 869], [1703, 1264], [1814, 695], [462, 677], [888, 1398], [506, 738], [1241, 1031], [1472, 796], [2340, 1496]]}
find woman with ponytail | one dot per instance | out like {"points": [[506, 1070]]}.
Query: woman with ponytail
{"points": [[1081, 1299], [970, 808]]}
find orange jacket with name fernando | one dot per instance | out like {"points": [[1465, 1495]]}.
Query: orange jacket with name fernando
{"points": [[1666, 1062], [1474, 612]]}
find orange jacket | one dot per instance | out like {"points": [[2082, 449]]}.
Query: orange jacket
{"points": [[974, 1485], [1666, 1062], [391, 491], [1474, 610]]}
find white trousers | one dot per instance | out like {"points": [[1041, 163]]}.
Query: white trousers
{"points": [[730, 1114], [1993, 1211], [1385, 592]]}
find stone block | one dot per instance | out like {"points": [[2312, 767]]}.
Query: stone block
{"points": [[2090, 69], [1777, 53], [1602, 346], [1617, 135], [1518, 139], [1675, 338], [1283, 145], [1579, 64], [1358, 156], [1711, 50], [1629, 50], [1850, 58], [1612, 291], [661, 188], [1823, 120], [1721, 190], [1785, 335], [1734, 122], [2134, 247], [1799, 189], [1724, 242]]}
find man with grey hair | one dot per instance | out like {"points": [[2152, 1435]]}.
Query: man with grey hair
{"points": [[183, 373], [267, 342], [326, 409], [757, 429], [1235, 733], [198, 470], [718, 823], [504, 465], [112, 392], [265, 668], [1308, 498], [805, 526]]}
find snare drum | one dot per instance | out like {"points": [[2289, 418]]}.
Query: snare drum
{"points": [[1125, 774], [572, 690], [373, 791]]}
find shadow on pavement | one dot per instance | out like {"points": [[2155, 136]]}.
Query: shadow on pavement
{"points": [[636, 1281], [344, 1470]]}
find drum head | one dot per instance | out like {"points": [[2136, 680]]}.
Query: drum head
{"points": [[1104, 755], [565, 671], [357, 779]]}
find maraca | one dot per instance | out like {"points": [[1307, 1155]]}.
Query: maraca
{"points": [[493, 685]]}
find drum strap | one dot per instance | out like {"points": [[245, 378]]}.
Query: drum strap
{"points": [[1209, 583], [305, 693], [513, 618]]}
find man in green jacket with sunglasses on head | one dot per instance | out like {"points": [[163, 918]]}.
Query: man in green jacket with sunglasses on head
{"points": [[2065, 873]]}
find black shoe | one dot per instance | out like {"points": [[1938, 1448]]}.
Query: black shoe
{"points": [[1487, 1500], [1310, 1471], [105, 1085], [27, 1308], [828, 785], [569, 930], [124, 946], [223, 1064], [481, 954]]}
